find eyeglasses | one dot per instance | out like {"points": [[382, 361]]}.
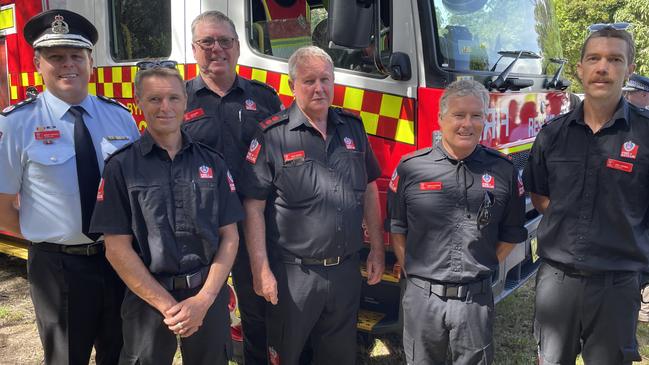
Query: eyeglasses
{"points": [[208, 43], [483, 212], [615, 26], [147, 65]]}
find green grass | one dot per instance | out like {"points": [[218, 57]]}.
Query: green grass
{"points": [[8, 315]]}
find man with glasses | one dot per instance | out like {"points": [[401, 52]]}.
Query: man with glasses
{"points": [[223, 111], [636, 91], [168, 208], [52, 150], [455, 211], [587, 173]]}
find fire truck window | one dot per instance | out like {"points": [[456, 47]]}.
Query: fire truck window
{"points": [[279, 27], [140, 29]]}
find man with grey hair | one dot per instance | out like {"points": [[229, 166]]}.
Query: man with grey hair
{"points": [[223, 111], [308, 183], [168, 208], [636, 91], [455, 211]]}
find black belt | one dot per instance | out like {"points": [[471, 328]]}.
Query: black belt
{"points": [[447, 290], [89, 249], [329, 261], [185, 281], [573, 271]]}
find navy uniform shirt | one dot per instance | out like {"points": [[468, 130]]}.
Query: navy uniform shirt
{"points": [[228, 123], [314, 188], [44, 170], [173, 208], [598, 185], [435, 202]]}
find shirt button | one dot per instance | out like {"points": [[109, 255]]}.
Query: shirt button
{"points": [[457, 225], [339, 229], [339, 209], [581, 238], [580, 258], [53, 159]]}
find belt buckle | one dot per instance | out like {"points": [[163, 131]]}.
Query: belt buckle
{"points": [[452, 291], [332, 261]]}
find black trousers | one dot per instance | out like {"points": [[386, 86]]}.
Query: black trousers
{"points": [[77, 301], [596, 316], [315, 303], [434, 326], [148, 341], [252, 309]]}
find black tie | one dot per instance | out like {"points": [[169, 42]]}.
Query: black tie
{"points": [[87, 169]]}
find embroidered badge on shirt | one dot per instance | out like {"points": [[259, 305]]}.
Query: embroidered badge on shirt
{"points": [[117, 138], [194, 114], [47, 134], [619, 165], [205, 172], [394, 181], [521, 187], [629, 150], [292, 156], [349, 143], [253, 151], [250, 104], [488, 181], [273, 356], [430, 185], [233, 188], [100, 191]]}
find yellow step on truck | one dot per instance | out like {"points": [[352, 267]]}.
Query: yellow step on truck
{"points": [[393, 59]]}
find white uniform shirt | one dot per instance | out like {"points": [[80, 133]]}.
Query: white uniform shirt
{"points": [[45, 174]]}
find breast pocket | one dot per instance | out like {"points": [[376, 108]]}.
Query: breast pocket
{"points": [[564, 173], [152, 200], [297, 183], [351, 165], [204, 205], [52, 168], [108, 147]]}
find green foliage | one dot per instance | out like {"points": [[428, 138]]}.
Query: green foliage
{"points": [[576, 15]]}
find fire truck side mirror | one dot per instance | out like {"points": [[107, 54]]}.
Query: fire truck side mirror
{"points": [[350, 22], [400, 66]]}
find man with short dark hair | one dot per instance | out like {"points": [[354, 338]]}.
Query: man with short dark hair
{"points": [[587, 173], [168, 208], [309, 181], [223, 111], [52, 151], [455, 211]]}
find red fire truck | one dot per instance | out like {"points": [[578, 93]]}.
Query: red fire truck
{"points": [[392, 58]]}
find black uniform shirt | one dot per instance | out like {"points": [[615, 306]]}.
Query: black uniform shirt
{"points": [[228, 123], [434, 200], [173, 208], [598, 189], [314, 188]]}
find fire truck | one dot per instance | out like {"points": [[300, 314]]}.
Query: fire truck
{"points": [[393, 59]]}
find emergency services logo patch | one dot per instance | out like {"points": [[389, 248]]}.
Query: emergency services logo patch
{"points": [[250, 104], [205, 172], [349, 143], [521, 187], [231, 182], [488, 181], [273, 356], [100, 191], [629, 150], [394, 181], [253, 151]]}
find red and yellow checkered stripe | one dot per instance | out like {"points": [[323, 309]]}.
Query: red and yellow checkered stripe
{"points": [[385, 115]]}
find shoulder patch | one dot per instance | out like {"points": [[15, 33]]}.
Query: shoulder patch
{"points": [[345, 113], [413, 154], [497, 153], [259, 83], [16, 106], [273, 120], [209, 148], [113, 101]]}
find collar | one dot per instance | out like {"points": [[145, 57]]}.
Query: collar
{"points": [[198, 83], [60, 107], [147, 142], [440, 153], [296, 118], [621, 113]]}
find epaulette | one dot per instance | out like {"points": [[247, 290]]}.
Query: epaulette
{"points": [[113, 101], [270, 88], [273, 120], [18, 105], [416, 153], [209, 148], [642, 111], [344, 112], [497, 153], [118, 151]]}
